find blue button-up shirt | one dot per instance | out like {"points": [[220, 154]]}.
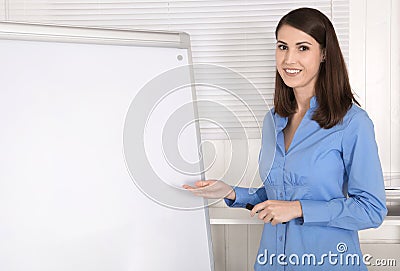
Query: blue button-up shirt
{"points": [[337, 177]]}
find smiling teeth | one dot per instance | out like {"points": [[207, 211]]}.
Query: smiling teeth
{"points": [[292, 71]]}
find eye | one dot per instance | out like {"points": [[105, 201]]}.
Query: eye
{"points": [[282, 47], [303, 48]]}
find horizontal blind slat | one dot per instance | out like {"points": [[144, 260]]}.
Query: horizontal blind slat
{"points": [[3, 10]]}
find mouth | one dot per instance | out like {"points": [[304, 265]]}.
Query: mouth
{"points": [[292, 72]]}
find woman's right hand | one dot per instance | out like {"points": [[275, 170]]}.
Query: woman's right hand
{"points": [[211, 189]]}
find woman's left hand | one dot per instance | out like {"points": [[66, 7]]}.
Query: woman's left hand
{"points": [[277, 211]]}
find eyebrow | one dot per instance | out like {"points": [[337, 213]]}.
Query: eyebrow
{"points": [[298, 43]]}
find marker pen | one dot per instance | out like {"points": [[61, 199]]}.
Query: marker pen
{"points": [[250, 207]]}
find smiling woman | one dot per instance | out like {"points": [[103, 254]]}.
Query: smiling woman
{"points": [[326, 179]]}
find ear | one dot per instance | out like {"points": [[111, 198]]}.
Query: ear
{"points": [[323, 55]]}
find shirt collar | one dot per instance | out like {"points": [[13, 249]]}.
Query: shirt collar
{"points": [[313, 102], [281, 122]]}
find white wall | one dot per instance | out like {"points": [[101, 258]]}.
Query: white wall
{"points": [[374, 75]]}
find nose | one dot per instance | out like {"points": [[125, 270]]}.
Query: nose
{"points": [[290, 57]]}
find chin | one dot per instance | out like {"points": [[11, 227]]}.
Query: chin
{"points": [[290, 84]]}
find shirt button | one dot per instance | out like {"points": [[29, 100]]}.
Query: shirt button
{"points": [[280, 238]]}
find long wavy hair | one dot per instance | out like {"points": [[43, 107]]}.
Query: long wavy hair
{"points": [[332, 88]]}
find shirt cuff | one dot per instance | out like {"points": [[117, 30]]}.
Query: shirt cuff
{"points": [[243, 196], [315, 213]]}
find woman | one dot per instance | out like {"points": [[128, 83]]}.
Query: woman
{"points": [[326, 181]]}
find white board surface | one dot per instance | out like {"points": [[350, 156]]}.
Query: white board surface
{"points": [[68, 198]]}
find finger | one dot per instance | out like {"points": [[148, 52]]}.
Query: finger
{"points": [[254, 212], [262, 214], [268, 218], [257, 209], [194, 190], [197, 186], [274, 222], [200, 184], [188, 187]]}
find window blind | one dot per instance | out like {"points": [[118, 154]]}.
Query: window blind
{"points": [[2, 10], [235, 34]]}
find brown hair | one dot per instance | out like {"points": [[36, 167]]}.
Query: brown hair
{"points": [[332, 88]]}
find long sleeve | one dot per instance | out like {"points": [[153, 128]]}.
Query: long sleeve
{"points": [[247, 195], [365, 206], [252, 195]]}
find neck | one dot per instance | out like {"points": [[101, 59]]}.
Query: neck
{"points": [[303, 100]]}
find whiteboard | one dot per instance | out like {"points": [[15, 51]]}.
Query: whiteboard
{"points": [[97, 136]]}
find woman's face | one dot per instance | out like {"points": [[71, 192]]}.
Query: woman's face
{"points": [[298, 58]]}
